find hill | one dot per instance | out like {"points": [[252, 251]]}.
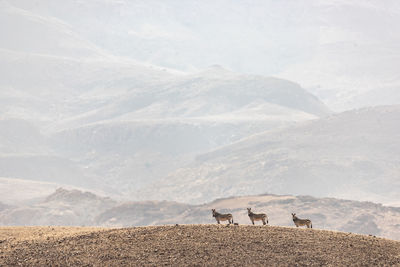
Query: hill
{"points": [[193, 245], [352, 155], [77, 208]]}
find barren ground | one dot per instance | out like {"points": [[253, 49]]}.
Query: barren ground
{"points": [[192, 245]]}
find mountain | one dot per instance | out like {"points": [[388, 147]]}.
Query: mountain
{"points": [[210, 94], [44, 168], [75, 207], [37, 34], [319, 44], [352, 58], [63, 207], [84, 102], [172, 122], [75, 113], [350, 155], [55, 88], [17, 192], [143, 213], [113, 124], [15, 140], [148, 125], [25, 154]]}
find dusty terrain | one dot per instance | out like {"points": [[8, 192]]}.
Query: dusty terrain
{"points": [[188, 245]]}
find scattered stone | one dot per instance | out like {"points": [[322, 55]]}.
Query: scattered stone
{"points": [[198, 245]]}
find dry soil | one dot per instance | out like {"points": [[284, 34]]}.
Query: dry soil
{"points": [[192, 245]]}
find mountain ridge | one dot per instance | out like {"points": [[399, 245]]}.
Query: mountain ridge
{"points": [[77, 207]]}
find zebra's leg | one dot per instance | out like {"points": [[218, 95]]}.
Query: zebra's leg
{"points": [[264, 222]]}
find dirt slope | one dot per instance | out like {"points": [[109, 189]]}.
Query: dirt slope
{"points": [[187, 245]]}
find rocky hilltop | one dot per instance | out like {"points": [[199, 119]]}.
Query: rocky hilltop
{"points": [[192, 245]]}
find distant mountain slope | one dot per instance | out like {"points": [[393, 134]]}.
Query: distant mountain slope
{"points": [[174, 119], [116, 124], [319, 44], [45, 88], [353, 155], [74, 207], [216, 108], [131, 109], [45, 168], [21, 191], [143, 213], [37, 34], [20, 136], [63, 207], [215, 93]]}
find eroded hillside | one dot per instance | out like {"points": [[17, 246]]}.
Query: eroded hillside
{"points": [[351, 155]]}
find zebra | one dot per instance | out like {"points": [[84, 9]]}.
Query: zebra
{"points": [[222, 217], [301, 222], [257, 216]]}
